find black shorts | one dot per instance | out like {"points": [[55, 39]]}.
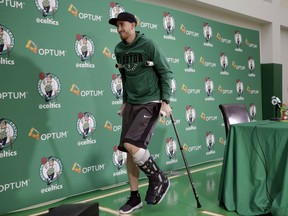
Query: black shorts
{"points": [[138, 122]]}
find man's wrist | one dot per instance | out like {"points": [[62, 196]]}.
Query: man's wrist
{"points": [[165, 101]]}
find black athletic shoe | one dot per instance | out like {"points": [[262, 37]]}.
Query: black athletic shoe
{"points": [[134, 202], [157, 191]]}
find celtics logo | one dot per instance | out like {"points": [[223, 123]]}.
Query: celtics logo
{"points": [[7, 41], [251, 64], [115, 9], [171, 148], [190, 114], [84, 47], [239, 87], [238, 38], [189, 56], [173, 87], [210, 140], [86, 124], [50, 169], [47, 7], [168, 23], [8, 133], [207, 31], [252, 111], [117, 86], [119, 158], [209, 86], [48, 86], [223, 61]]}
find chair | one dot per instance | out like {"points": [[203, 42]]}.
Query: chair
{"points": [[233, 114]]}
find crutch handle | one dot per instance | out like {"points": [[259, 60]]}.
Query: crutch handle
{"points": [[163, 113]]}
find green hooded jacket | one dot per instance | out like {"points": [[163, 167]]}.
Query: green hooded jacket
{"points": [[141, 83]]}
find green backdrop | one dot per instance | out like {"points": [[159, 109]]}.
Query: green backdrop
{"points": [[59, 123]]}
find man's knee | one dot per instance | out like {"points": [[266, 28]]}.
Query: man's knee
{"points": [[131, 149]]}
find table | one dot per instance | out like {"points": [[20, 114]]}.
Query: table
{"points": [[254, 178]]}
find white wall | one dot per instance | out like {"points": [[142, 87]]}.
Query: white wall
{"points": [[284, 58], [269, 17]]}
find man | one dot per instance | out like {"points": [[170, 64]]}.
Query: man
{"points": [[146, 91]]}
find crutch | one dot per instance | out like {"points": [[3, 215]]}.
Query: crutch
{"points": [[185, 160]]}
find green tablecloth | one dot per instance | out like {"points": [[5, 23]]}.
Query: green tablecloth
{"points": [[254, 177]]}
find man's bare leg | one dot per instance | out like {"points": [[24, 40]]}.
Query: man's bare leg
{"points": [[133, 172]]}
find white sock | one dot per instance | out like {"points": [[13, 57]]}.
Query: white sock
{"points": [[141, 156]]}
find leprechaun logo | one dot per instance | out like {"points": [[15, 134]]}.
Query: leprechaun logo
{"points": [[115, 9], [210, 140], [6, 41], [47, 7], [49, 86], [8, 133], [119, 158], [171, 148], [84, 47], [207, 32], [86, 124], [251, 64], [252, 111], [173, 87], [223, 61], [50, 169], [209, 86], [168, 23], [189, 56], [190, 114], [117, 86], [238, 38], [239, 87]]}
